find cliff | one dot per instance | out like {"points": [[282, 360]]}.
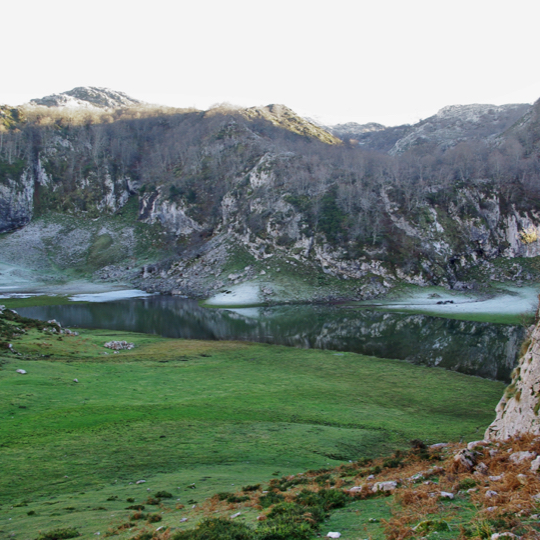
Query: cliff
{"points": [[195, 202], [518, 410]]}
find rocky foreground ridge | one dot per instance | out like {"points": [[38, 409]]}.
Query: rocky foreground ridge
{"points": [[196, 202]]}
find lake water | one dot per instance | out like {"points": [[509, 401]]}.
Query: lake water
{"points": [[483, 349]]}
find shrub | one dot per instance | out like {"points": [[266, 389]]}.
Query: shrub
{"points": [[163, 495], [59, 534], [270, 498], [153, 518], [218, 529], [237, 498], [254, 487], [135, 507]]}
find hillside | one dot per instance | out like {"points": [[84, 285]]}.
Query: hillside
{"points": [[203, 202]]}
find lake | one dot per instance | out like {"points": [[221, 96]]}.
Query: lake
{"points": [[475, 348]]}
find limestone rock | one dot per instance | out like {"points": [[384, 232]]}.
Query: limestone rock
{"points": [[119, 345], [518, 457], [384, 486], [535, 464], [517, 411], [465, 458]]}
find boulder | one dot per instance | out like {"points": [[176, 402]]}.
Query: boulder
{"points": [[535, 464], [390, 485], [465, 459], [473, 444], [519, 457]]}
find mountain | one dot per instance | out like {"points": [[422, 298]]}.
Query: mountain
{"points": [[282, 116], [88, 97], [460, 123], [450, 126], [201, 202]]}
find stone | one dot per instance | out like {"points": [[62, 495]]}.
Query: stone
{"points": [[473, 444], [119, 345], [495, 478], [355, 489], [519, 457], [21, 371], [490, 494], [390, 485], [446, 495], [535, 464], [496, 536], [333, 535], [436, 446], [481, 468], [140, 481], [465, 458], [236, 515]]}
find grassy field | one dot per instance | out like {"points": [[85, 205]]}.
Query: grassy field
{"points": [[213, 414]]}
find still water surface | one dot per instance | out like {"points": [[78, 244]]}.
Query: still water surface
{"points": [[483, 349]]}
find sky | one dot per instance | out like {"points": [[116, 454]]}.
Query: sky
{"points": [[385, 61]]}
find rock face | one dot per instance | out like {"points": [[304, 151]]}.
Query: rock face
{"points": [[517, 412], [198, 189]]}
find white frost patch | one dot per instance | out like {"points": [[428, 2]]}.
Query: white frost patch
{"points": [[244, 294], [511, 301], [108, 296]]}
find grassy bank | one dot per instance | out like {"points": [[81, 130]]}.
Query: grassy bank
{"points": [[212, 414]]}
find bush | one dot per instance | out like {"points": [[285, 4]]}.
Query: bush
{"points": [[59, 534], [255, 487], [270, 498], [163, 495], [218, 529], [237, 498], [153, 518]]}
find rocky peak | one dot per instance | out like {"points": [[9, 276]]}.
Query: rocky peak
{"points": [[88, 97], [283, 117], [458, 123]]}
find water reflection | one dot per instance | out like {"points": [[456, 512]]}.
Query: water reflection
{"points": [[483, 349]]}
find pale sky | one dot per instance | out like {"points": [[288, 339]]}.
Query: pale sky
{"points": [[386, 61]]}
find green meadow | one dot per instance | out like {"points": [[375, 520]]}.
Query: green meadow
{"points": [[196, 418]]}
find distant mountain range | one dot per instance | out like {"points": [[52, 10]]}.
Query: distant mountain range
{"points": [[198, 202], [449, 126]]}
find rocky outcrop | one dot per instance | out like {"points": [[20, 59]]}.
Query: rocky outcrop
{"points": [[518, 410]]}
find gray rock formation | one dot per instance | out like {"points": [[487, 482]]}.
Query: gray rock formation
{"points": [[517, 412]]}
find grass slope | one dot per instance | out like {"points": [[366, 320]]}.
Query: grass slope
{"points": [[177, 412]]}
